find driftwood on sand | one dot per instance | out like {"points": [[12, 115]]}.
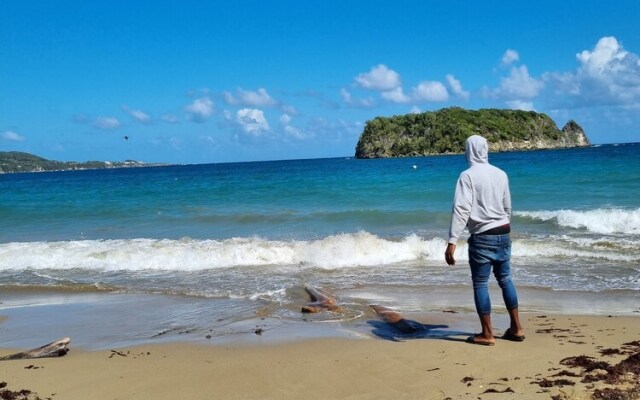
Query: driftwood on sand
{"points": [[54, 349], [319, 301], [395, 318]]}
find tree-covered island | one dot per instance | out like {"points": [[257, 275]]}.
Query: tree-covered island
{"points": [[444, 132]]}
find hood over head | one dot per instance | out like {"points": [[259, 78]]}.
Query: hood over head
{"points": [[476, 149]]}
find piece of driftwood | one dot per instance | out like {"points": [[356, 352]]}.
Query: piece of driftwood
{"points": [[319, 301], [54, 349], [395, 318]]}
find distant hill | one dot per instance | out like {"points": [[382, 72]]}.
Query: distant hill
{"points": [[445, 131], [15, 161]]}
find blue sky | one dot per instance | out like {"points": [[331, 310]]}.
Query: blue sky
{"points": [[221, 81]]}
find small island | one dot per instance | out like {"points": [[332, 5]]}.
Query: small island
{"points": [[444, 132], [16, 161]]}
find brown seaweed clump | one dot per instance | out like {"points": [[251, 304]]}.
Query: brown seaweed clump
{"points": [[625, 375], [24, 394]]}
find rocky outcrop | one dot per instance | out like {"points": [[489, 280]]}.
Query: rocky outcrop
{"points": [[444, 132]]}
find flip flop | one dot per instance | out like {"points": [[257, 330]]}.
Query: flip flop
{"points": [[510, 336], [472, 340]]}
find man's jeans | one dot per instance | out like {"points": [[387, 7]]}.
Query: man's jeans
{"points": [[485, 252]]}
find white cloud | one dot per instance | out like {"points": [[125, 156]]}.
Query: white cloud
{"points": [[294, 132], [396, 96], [606, 75], [200, 110], [291, 131], [379, 78], [291, 110], [519, 85], [285, 119], [170, 118], [432, 91], [456, 87], [12, 136], [509, 57], [610, 69], [352, 102], [415, 110], [107, 123], [209, 142], [252, 121], [520, 105], [138, 115], [607, 56], [259, 98]]}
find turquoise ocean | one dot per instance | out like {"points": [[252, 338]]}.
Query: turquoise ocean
{"points": [[233, 241]]}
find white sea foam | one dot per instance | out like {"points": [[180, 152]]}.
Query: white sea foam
{"points": [[339, 251], [333, 252], [602, 221]]}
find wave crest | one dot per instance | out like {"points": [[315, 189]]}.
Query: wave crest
{"points": [[602, 221], [337, 251]]}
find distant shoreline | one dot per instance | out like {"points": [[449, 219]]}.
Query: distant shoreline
{"points": [[19, 162]]}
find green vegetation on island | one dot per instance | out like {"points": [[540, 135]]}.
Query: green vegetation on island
{"points": [[445, 131], [15, 161]]}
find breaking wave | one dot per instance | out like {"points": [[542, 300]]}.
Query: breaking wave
{"points": [[361, 249], [601, 221]]}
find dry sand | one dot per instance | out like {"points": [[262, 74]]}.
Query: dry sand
{"points": [[340, 368]]}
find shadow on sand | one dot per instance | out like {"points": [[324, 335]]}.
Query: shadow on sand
{"points": [[406, 329]]}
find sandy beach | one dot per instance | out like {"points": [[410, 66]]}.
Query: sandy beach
{"points": [[407, 367]]}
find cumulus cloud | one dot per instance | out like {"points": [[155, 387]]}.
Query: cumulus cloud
{"points": [[607, 74], [609, 68], [200, 110], [285, 119], [355, 102], [289, 130], [12, 136], [107, 123], [509, 57], [252, 121], [415, 110], [379, 78], [259, 98], [520, 105], [396, 96], [138, 115], [432, 91], [456, 87], [519, 85]]}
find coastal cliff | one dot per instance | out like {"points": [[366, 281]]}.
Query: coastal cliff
{"points": [[444, 132]]}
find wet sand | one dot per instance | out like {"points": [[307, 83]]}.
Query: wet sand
{"points": [[434, 363]]}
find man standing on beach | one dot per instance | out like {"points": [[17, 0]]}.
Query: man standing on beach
{"points": [[482, 204]]}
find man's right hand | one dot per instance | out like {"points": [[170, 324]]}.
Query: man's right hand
{"points": [[448, 254]]}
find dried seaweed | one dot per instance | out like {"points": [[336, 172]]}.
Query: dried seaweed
{"points": [[587, 363], [491, 390], [547, 383], [24, 394], [566, 373]]}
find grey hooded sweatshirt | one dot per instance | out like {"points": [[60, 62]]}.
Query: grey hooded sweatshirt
{"points": [[482, 200]]}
